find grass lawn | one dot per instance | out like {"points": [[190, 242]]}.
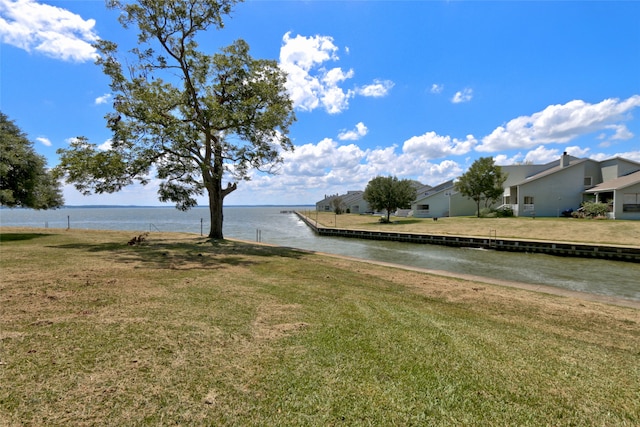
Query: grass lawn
{"points": [[617, 232], [183, 331]]}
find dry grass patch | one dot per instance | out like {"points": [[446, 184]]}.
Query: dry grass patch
{"points": [[180, 330]]}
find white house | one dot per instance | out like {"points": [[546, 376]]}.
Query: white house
{"points": [[442, 201], [550, 189], [351, 202], [622, 193]]}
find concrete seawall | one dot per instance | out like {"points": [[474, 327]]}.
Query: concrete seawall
{"points": [[611, 252]]}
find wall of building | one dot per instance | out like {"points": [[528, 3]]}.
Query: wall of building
{"points": [[438, 206], [615, 168], [619, 212], [554, 193], [593, 170], [462, 206]]}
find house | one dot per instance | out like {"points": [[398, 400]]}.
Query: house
{"points": [[442, 201], [545, 190], [623, 193], [352, 202], [548, 190]]}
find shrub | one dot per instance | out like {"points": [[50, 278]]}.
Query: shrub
{"points": [[487, 213], [595, 209], [504, 212]]}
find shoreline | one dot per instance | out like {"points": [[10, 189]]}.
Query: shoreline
{"points": [[550, 247], [546, 289], [552, 290]]}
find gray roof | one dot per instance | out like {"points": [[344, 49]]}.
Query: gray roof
{"points": [[435, 190], [552, 170], [617, 183]]}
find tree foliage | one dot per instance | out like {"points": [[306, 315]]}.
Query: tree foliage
{"points": [[482, 182], [192, 118], [337, 204], [24, 178], [389, 193]]}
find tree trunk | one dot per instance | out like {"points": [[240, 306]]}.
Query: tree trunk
{"points": [[215, 211], [216, 204]]}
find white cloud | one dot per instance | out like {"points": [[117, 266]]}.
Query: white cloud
{"points": [[47, 29], [105, 145], [300, 57], [464, 95], [562, 123], [621, 132], [504, 160], [355, 134], [630, 155], [44, 141], [432, 146], [437, 88], [311, 84], [442, 172], [328, 162], [541, 155], [377, 89], [103, 99], [319, 159], [576, 151]]}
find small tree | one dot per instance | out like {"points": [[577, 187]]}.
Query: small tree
{"points": [[389, 193], [482, 182], [337, 204], [24, 179], [192, 118]]}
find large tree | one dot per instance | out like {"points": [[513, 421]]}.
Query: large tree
{"points": [[192, 118], [482, 182], [389, 193], [24, 178]]}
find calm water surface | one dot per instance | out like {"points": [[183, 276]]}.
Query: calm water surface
{"points": [[268, 224]]}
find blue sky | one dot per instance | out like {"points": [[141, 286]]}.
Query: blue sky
{"points": [[415, 89]]}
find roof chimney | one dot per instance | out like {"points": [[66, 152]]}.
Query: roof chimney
{"points": [[564, 160]]}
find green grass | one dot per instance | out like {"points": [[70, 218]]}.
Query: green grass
{"points": [[183, 331]]}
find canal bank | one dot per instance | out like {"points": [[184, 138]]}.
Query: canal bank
{"points": [[597, 251]]}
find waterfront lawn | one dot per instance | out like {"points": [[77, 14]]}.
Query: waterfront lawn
{"points": [[616, 232], [180, 330]]}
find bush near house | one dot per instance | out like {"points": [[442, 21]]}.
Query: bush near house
{"points": [[594, 209], [503, 212]]}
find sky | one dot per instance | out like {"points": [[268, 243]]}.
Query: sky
{"points": [[413, 89]]}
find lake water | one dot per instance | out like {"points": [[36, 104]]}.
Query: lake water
{"points": [[270, 225]]}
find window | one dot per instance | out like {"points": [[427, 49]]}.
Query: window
{"points": [[423, 207], [588, 181], [528, 200], [631, 202]]}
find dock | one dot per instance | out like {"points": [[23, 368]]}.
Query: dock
{"points": [[584, 250]]}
